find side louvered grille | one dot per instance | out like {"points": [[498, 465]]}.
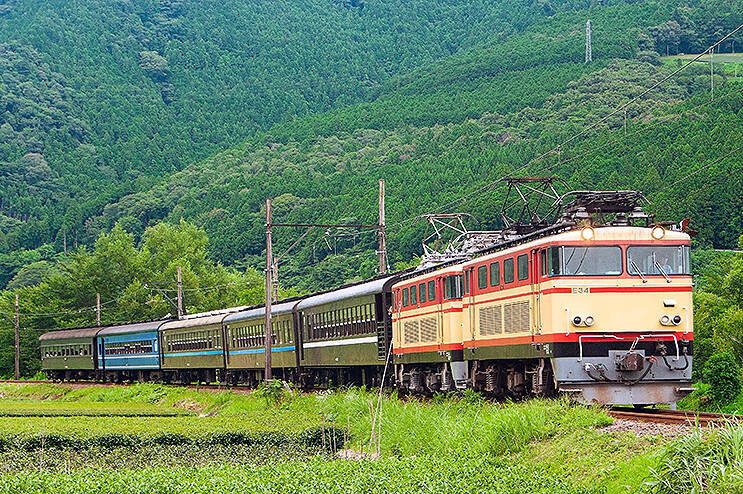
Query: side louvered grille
{"points": [[411, 332], [491, 320], [428, 330], [516, 317]]}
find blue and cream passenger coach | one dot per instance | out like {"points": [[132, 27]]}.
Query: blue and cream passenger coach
{"points": [[130, 351]]}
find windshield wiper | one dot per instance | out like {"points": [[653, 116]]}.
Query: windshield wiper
{"points": [[634, 266], [660, 268]]}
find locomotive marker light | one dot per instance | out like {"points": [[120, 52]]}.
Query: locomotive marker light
{"points": [[658, 232], [665, 320], [676, 319], [588, 321], [587, 233], [577, 320]]}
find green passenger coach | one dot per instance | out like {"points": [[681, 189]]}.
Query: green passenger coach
{"points": [[193, 347], [70, 353]]}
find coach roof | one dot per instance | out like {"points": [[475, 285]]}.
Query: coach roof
{"points": [[138, 327], [64, 334], [367, 288]]}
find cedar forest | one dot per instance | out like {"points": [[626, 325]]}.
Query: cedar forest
{"points": [[146, 134]]}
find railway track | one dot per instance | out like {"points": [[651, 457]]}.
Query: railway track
{"points": [[660, 416], [86, 384]]}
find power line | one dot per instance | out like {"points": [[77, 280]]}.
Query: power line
{"points": [[561, 145]]}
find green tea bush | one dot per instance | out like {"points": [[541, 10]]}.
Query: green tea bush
{"points": [[722, 373], [315, 475]]}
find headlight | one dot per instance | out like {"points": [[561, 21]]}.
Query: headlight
{"points": [[665, 320], [577, 320], [676, 319], [587, 233], [588, 321], [658, 232]]}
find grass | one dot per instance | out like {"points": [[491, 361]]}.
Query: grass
{"points": [[242, 442], [49, 408]]}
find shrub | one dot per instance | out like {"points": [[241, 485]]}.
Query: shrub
{"points": [[722, 373]]}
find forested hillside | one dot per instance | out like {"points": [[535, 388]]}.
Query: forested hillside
{"points": [[101, 99], [448, 129]]}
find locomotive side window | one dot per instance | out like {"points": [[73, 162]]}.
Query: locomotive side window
{"points": [[554, 261], [508, 270], [654, 260], [405, 297], [543, 262], [467, 275], [523, 267], [494, 273], [422, 292], [431, 290], [482, 277], [453, 286], [413, 295]]}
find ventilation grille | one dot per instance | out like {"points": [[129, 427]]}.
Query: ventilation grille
{"points": [[411, 331], [428, 330], [491, 320], [516, 317]]}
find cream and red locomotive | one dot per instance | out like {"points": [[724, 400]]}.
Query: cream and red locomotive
{"points": [[603, 313]]}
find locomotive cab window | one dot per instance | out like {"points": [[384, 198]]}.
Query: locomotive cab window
{"points": [[508, 270], [494, 273], [482, 277], [652, 260], [523, 267], [467, 275], [431, 290], [584, 261]]}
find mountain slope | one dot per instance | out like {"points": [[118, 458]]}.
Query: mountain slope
{"points": [[148, 86]]}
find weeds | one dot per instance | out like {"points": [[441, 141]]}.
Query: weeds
{"points": [[703, 461]]}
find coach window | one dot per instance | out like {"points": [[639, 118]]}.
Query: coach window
{"points": [[523, 267], [413, 295], [494, 273], [508, 270], [405, 297], [422, 292], [431, 290], [482, 277]]}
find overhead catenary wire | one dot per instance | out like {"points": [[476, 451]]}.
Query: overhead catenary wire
{"points": [[559, 147]]}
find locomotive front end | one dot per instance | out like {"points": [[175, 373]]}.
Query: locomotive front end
{"points": [[620, 319]]}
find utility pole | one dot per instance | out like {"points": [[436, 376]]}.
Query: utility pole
{"points": [[17, 340], [589, 54], [180, 294], [382, 238], [98, 309], [269, 276]]}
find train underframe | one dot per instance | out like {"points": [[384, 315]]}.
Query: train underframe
{"points": [[646, 380]]}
